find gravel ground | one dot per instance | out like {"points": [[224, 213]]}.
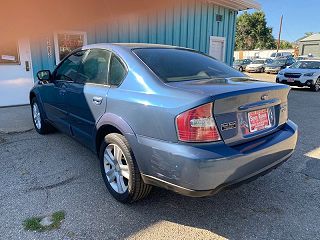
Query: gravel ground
{"points": [[44, 174]]}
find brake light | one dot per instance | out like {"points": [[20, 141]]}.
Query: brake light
{"points": [[197, 125]]}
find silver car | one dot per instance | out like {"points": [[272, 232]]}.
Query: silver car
{"points": [[305, 73], [258, 65]]}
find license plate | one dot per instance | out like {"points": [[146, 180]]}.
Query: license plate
{"points": [[259, 120], [290, 80]]}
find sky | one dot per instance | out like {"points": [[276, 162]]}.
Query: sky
{"points": [[299, 17]]}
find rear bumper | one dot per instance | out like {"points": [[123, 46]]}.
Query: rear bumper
{"points": [[202, 170], [275, 71], [253, 70]]}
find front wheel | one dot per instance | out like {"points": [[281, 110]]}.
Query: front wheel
{"points": [[316, 86], [262, 70], [120, 171], [38, 121]]}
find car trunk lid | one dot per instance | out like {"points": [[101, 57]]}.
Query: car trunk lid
{"points": [[244, 109]]}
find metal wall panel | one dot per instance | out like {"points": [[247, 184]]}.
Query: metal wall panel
{"points": [[187, 26]]}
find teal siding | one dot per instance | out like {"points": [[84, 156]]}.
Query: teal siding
{"points": [[187, 26]]}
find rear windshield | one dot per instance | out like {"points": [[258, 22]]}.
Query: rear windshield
{"points": [[306, 65], [238, 61], [173, 64], [258, 62], [282, 61]]}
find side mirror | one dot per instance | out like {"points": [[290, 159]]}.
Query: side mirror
{"points": [[44, 76]]}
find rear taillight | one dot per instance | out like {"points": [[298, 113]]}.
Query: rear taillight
{"points": [[197, 125]]}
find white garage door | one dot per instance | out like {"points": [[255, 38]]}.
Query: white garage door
{"points": [[16, 77]]}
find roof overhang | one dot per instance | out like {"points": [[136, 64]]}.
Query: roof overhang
{"points": [[238, 5]]}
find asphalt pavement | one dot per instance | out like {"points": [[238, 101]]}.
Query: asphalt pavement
{"points": [[45, 174]]}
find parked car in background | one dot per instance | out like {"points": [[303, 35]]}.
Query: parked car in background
{"points": [[280, 55], [304, 73], [241, 64], [165, 116], [278, 64], [304, 57], [258, 65]]}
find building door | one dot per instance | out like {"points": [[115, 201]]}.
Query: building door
{"points": [[16, 77], [217, 48]]}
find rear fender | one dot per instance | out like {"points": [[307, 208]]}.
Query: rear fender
{"points": [[124, 128]]}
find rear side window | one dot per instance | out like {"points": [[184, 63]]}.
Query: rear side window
{"points": [[117, 71], [174, 64]]}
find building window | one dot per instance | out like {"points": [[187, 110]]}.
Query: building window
{"points": [[9, 53], [66, 42]]}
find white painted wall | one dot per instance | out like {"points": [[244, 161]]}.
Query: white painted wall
{"points": [[261, 53], [15, 81]]}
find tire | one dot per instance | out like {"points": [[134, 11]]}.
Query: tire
{"points": [[41, 126], [121, 175], [316, 86], [241, 69], [262, 70]]}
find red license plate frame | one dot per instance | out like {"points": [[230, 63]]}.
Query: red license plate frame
{"points": [[259, 120]]}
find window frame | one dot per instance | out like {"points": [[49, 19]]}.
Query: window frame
{"points": [[88, 50]]}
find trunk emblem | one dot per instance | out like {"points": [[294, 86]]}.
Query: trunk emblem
{"points": [[228, 126], [265, 97]]}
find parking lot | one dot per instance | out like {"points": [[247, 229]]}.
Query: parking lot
{"points": [[44, 174]]}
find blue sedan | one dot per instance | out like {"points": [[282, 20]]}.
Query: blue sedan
{"points": [[165, 116]]}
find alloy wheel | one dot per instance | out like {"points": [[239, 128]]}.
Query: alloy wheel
{"points": [[116, 168], [36, 115]]}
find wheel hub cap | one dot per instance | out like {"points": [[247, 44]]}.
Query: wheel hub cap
{"points": [[36, 115], [116, 168]]}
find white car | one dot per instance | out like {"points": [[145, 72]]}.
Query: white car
{"points": [[280, 55], [258, 65], [304, 73]]}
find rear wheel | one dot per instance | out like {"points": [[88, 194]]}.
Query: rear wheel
{"points": [[40, 125], [316, 86], [120, 171]]}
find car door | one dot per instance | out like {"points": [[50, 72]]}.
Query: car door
{"points": [[86, 96], [53, 93]]}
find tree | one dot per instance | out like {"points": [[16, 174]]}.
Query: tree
{"points": [[285, 44], [308, 34], [253, 33]]}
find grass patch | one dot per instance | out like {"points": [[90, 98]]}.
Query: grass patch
{"points": [[34, 223]]}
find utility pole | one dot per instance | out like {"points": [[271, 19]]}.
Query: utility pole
{"points": [[279, 37]]}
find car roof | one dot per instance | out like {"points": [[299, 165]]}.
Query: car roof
{"points": [[310, 60], [128, 46]]}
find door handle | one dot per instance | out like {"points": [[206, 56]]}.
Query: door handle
{"points": [[62, 92], [97, 100]]}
